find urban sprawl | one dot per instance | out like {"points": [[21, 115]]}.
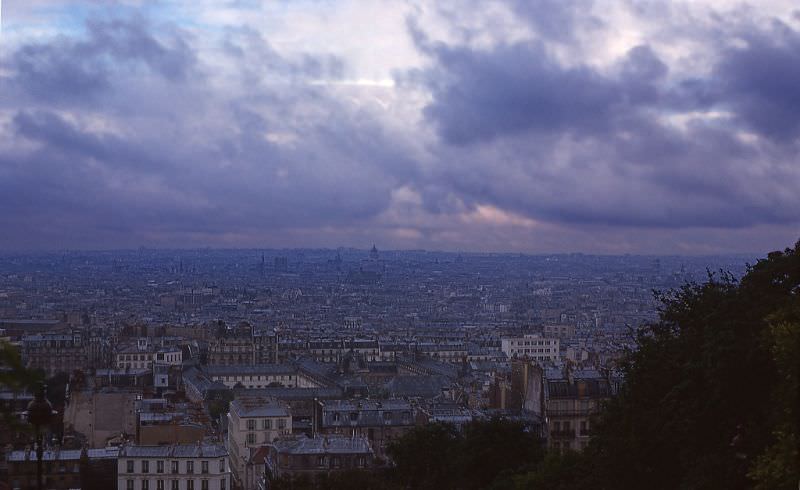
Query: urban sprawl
{"points": [[228, 369]]}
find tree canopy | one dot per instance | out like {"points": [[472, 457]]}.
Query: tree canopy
{"points": [[710, 398]]}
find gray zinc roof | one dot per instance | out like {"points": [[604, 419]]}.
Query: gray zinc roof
{"points": [[323, 445], [174, 451]]}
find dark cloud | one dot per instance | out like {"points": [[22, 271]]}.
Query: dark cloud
{"points": [[68, 69], [260, 61], [557, 20], [631, 146], [124, 134], [481, 94], [159, 161], [760, 81]]}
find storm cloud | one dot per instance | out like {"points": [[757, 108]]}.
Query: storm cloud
{"points": [[528, 126]]}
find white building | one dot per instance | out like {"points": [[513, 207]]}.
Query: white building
{"points": [[254, 421], [175, 467], [144, 354], [531, 346], [261, 376]]}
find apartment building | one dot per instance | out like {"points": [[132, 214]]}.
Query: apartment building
{"points": [[254, 421], [531, 346], [174, 467]]}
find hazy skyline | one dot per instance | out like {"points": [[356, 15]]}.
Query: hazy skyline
{"points": [[525, 126]]}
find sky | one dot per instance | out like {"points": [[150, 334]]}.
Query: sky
{"points": [[537, 126]]}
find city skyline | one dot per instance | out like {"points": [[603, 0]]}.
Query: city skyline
{"points": [[522, 127]]}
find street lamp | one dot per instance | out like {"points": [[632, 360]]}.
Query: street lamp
{"points": [[40, 412]]}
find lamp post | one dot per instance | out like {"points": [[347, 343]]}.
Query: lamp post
{"points": [[40, 412]]}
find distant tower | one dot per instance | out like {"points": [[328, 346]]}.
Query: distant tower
{"points": [[263, 264], [373, 254]]}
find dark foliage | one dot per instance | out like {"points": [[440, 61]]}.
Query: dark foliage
{"points": [[15, 377], [346, 480], [710, 399], [437, 456]]}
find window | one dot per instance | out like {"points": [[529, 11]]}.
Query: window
{"points": [[353, 416], [145, 484], [251, 438], [336, 416], [174, 467], [222, 466], [204, 485], [204, 466], [190, 467], [189, 484], [129, 466], [129, 484], [362, 461], [266, 424], [159, 467], [159, 484], [222, 484], [387, 416], [251, 424], [145, 466], [320, 460], [281, 423]]}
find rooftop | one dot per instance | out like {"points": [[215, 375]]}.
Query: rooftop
{"points": [[323, 445], [258, 406], [66, 455], [174, 451]]}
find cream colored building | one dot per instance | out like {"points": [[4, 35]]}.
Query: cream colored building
{"points": [[261, 376], [531, 346], [254, 421], [175, 467], [143, 354]]}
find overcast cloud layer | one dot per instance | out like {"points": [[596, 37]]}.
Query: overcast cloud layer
{"points": [[533, 126]]}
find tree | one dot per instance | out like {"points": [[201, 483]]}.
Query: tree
{"points": [[439, 456], [710, 395], [777, 467], [17, 378], [494, 446], [424, 457], [698, 409]]}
